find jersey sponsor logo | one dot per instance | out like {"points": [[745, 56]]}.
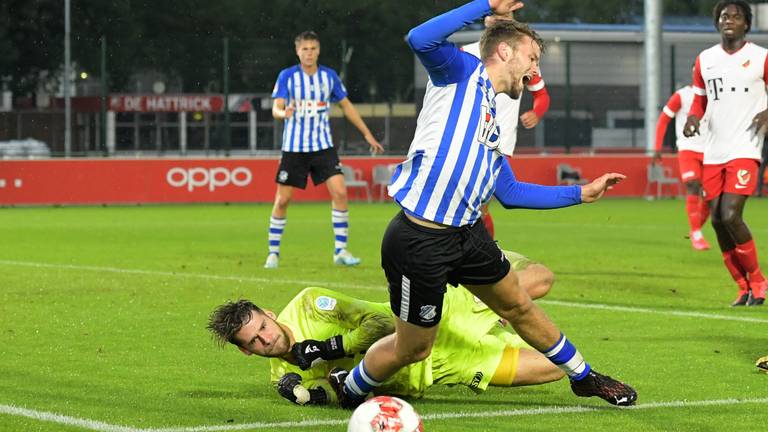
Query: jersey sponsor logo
{"points": [[310, 108], [209, 178], [742, 176], [428, 313], [488, 131], [476, 380], [714, 85], [325, 303]]}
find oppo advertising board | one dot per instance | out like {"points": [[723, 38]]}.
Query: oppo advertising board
{"points": [[136, 181], [130, 181]]}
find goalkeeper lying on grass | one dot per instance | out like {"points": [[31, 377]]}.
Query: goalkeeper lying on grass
{"points": [[321, 329]]}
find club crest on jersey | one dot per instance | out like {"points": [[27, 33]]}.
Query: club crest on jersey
{"points": [[488, 131], [745, 64], [743, 177], [325, 303]]}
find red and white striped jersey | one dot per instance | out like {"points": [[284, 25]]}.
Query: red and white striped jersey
{"points": [[735, 89], [508, 109], [680, 103]]}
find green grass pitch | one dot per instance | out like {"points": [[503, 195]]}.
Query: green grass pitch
{"points": [[103, 313]]}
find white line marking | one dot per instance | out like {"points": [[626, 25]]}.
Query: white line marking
{"points": [[654, 311], [106, 427], [302, 283], [329, 284]]}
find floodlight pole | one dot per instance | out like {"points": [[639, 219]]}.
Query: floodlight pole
{"points": [[652, 70], [225, 72], [67, 74]]}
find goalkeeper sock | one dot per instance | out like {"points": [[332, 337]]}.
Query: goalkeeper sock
{"points": [[359, 382], [565, 356], [340, 220], [276, 227]]}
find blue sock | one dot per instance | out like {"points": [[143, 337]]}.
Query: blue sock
{"points": [[340, 221], [565, 356], [276, 228], [359, 382]]}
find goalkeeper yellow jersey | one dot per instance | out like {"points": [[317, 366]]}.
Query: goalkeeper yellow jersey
{"points": [[467, 350]]}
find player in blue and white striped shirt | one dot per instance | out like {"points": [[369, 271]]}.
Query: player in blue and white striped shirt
{"points": [[453, 167], [302, 97]]}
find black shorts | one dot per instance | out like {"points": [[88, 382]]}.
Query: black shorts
{"points": [[419, 261], [294, 167]]}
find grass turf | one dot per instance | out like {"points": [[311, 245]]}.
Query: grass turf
{"points": [[103, 313]]}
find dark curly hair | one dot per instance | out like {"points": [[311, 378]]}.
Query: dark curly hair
{"points": [[746, 10], [228, 319]]}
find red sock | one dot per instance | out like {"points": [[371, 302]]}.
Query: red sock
{"points": [[703, 211], [693, 208], [746, 253], [488, 221], [734, 268]]}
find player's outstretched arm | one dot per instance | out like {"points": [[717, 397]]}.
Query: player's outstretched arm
{"points": [[359, 325], [593, 191], [515, 194], [445, 63]]}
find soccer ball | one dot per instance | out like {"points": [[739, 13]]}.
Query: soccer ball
{"points": [[385, 414]]}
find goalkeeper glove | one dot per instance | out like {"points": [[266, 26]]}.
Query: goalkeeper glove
{"points": [[290, 388], [309, 353], [762, 364]]}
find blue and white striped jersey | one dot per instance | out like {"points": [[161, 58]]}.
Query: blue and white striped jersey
{"points": [[309, 129], [453, 161]]}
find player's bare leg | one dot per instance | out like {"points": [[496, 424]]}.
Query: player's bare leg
{"points": [[277, 223], [697, 211], [340, 219], [730, 226], [511, 302]]}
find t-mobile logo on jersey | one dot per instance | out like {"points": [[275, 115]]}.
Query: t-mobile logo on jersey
{"points": [[715, 86]]}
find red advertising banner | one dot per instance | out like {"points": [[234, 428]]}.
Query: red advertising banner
{"points": [[166, 103], [123, 181]]}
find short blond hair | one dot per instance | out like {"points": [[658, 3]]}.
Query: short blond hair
{"points": [[509, 31]]}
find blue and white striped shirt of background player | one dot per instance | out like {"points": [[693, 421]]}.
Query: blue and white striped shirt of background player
{"points": [[309, 128], [453, 164]]}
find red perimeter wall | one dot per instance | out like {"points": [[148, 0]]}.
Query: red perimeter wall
{"points": [[116, 181]]}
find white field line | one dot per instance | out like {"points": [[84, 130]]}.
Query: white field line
{"points": [[330, 284], [106, 427], [654, 311], [300, 282]]}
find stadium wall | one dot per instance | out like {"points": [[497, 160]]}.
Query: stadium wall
{"points": [[138, 181]]}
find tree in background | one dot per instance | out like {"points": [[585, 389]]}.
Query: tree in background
{"points": [[182, 39]]}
